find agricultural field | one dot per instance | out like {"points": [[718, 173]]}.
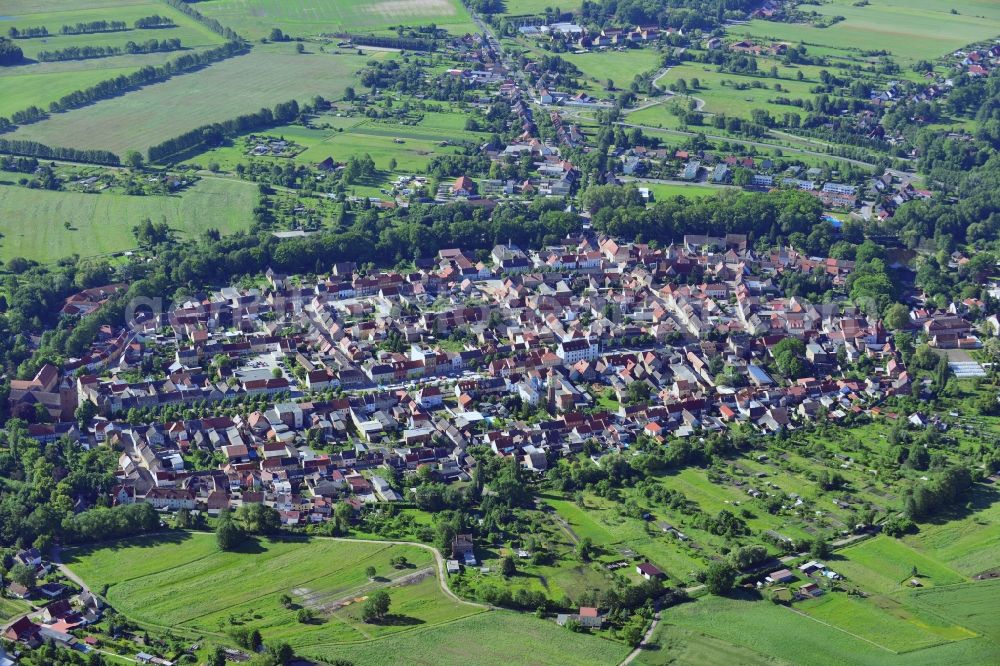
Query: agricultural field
{"points": [[972, 604], [910, 29], [38, 83], [256, 18], [883, 621], [22, 89], [793, 636], [191, 33], [678, 646], [968, 543], [224, 90], [533, 7], [186, 584], [33, 222]]}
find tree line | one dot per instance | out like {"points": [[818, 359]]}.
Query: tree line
{"points": [[36, 149], [124, 83], [210, 23], [215, 133], [93, 26], [395, 42], [153, 22], [620, 212], [27, 33], [89, 52]]}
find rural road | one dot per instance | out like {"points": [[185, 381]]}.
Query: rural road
{"points": [[645, 639], [65, 571]]}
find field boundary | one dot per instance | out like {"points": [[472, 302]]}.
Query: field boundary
{"points": [[842, 630]]}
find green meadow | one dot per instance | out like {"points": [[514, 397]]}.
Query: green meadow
{"points": [[33, 223], [496, 638], [973, 604], [799, 637], [722, 94], [883, 621], [533, 7], [885, 565], [411, 146], [621, 67]]}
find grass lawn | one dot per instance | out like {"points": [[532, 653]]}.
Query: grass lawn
{"points": [[619, 66], [910, 29], [884, 565], [256, 18], [663, 191], [32, 222], [268, 75]]}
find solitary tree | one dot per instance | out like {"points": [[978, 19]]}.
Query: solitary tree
{"points": [[133, 159], [376, 607], [24, 575], [897, 316], [719, 578], [820, 548], [228, 535]]}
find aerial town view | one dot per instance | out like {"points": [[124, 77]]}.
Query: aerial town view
{"points": [[500, 333]]}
